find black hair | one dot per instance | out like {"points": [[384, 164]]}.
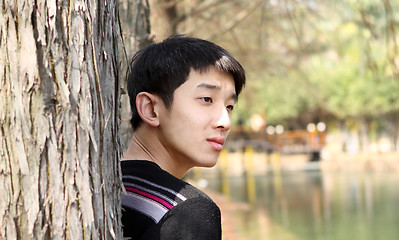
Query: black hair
{"points": [[160, 68]]}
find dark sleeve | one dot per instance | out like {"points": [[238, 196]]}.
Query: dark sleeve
{"points": [[134, 224], [193, 219]]}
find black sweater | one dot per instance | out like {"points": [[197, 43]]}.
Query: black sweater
{"points": [[158, 205]]}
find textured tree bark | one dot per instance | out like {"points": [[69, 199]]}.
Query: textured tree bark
{"points": [[59, 116]]}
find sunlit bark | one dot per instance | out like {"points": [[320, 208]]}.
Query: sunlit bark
{"points": [[59, 116]]}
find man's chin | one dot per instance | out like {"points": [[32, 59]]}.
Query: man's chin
{"points": [[209, 164]]}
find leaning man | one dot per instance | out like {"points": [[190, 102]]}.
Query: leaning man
{"points": [[182, 93]]}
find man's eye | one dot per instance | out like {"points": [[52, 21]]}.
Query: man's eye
{"points": [[230, 107], [207, 99]]}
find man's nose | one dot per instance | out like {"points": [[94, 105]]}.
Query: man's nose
{"points": [[224, 119]]}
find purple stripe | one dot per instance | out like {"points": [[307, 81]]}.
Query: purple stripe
{"points": [[155, 198], [158, 194], [157, 185]]}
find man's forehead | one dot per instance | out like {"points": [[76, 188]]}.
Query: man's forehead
{"points": [[210, 78]]}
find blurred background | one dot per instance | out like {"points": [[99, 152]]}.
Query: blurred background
{"points": [[313, 153]]}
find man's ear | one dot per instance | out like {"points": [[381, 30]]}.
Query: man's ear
{"points": [[146, 107]]}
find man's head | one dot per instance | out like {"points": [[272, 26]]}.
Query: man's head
{"points": [[161, 68]]}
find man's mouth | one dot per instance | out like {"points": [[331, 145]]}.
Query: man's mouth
{"points": [[216, 142]]}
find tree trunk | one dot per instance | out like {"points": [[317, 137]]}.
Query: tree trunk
{"points": [[59, 115], [364, 135]]}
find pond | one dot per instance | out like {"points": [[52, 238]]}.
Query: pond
{"points": [[316, 205]]}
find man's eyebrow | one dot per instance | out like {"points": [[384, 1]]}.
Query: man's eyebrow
{"points": [[209, 86]]}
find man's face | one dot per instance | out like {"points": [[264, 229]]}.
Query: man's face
{"points": [[195, 127]]}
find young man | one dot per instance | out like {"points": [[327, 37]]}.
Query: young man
{"points": [[182, 92]]}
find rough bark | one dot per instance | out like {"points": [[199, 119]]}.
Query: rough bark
{"points": [[59, 116], [135, 20]]}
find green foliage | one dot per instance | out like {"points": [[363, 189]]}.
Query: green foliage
{"points": [[306, 59], [343, 69]]}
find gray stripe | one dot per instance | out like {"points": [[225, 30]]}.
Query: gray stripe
{"points": [[158, 186], [166, 198], [144, 205]]}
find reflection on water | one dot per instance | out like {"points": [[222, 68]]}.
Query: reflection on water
{"points": [[317, 205]]}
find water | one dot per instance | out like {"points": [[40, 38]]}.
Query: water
{"points": [[316, 206]]}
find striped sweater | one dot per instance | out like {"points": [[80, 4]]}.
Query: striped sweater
{"points": [[157, 205]]}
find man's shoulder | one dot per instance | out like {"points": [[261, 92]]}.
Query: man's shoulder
{"points": [[163, 202], [197, 218]]}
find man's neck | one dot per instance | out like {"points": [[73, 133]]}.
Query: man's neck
{"points": [[145, 145]]}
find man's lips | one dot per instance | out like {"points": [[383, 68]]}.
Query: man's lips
{"points": [[216, 143]]}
